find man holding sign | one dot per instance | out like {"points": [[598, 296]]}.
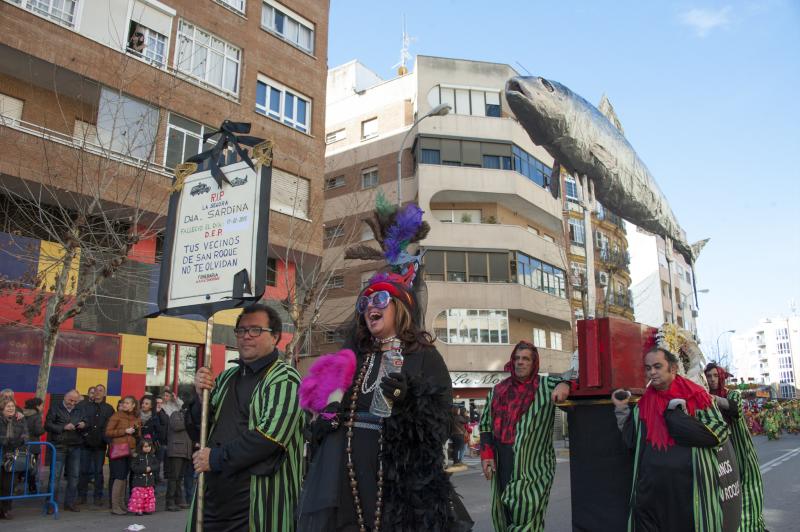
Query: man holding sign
{"points": [[253, 461], [675, 430]]}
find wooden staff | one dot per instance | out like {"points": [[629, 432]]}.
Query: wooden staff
{"points": [[201, 492]]}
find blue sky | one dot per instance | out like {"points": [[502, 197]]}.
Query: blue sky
{"points": [[707, 93]]}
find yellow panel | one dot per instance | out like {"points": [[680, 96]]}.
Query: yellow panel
{"points": [[50, 255], [227, 317], [176, 330], [112, 400], [88, 377], [134, 353]]}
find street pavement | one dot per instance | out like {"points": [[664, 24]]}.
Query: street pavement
{"points": [[780, 466]]}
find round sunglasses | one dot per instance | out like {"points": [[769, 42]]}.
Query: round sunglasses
{"points": [[379, 299]]}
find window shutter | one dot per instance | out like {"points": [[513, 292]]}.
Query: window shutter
{"points": [[451, 150], [289, 194]]}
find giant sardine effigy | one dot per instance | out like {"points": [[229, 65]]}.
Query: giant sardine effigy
{"points": [[582, 140]]}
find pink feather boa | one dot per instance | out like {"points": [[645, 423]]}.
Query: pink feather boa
{"points": [[329, 374]]}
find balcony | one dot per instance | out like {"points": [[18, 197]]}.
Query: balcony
{"points": [[492, 236], [460, 184], [521, 301], [65, 162]]}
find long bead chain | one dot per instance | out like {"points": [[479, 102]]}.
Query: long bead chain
{"points": [[351, 470]]}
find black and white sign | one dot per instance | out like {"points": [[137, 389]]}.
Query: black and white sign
{"points": [[215, 251]]}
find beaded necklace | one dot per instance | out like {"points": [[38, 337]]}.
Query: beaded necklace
{"points": [[351, 470]]}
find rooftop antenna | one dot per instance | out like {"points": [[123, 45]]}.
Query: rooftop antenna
{"points": [[402, 70]]}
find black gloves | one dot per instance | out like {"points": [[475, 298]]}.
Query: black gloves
{"points": [[395, 386]]}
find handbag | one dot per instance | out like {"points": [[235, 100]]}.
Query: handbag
{"points": [[458, 518], [119, 450], [17, 461]]}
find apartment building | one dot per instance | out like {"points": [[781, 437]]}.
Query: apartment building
{"points": [[769, 353], [495, 261], [138, 83], [663, 287], [611, 259]]}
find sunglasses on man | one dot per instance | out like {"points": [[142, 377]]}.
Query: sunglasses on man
{"points": [[379, 299]]}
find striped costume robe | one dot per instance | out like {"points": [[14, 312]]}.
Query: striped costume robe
{"points": [[523, 502], [677, 489], [274, 422], [749, 469]]}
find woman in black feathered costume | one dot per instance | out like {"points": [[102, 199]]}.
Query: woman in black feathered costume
{"points": [[416, 494]]}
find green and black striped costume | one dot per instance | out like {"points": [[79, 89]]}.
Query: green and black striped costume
{"points": [[523, 503], [704, 500], [275, 415], [752, 488]]}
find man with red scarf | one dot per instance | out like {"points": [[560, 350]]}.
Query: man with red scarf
{"points": [[517, 452], [752, 488], [675, 430]]}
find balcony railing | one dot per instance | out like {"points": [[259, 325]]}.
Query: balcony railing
{"points": [[82, 144]]}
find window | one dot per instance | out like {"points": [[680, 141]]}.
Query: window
{"points": [[272, 272], [472, 326], [601, 211], [336, 136], [571, 188], [577, 232], [465, 101], [333, 337], [539, 337], [334, 182], [434, 265], [336, 281], [148, 44], [532, 272], [464, 216], [84, 132], [366, 232], [430, 157], [555, 340], [365, 277], [456, 266], [601, 240], [531, 167], [126, 125], [460, 266], [238, 5], [289, 194], [497, 162], [282, 104], [10, 110], [369, 128], [369, 178], [288, 25], [333, 232], [207, 58], [184, 139], [59, 11]]}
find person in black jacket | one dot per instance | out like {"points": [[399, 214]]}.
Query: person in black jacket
{"points": [[33, 419], [65, 425], [144, 474], [96, 412]]}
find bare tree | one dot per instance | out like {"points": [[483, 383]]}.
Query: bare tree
{"points": [[93, 193]]}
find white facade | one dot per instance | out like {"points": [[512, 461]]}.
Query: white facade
{"points": [[655, 300], [769, 353]]}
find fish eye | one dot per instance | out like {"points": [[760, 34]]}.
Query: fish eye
{"points": [[547, 85]]}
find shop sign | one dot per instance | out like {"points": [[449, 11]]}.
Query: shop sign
{"points": [[476, 379]]}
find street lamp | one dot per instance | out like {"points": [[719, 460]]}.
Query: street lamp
{"points": [[440, 110], [720, 336]]}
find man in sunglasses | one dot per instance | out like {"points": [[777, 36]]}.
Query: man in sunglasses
{"points": [[254, 454]]}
